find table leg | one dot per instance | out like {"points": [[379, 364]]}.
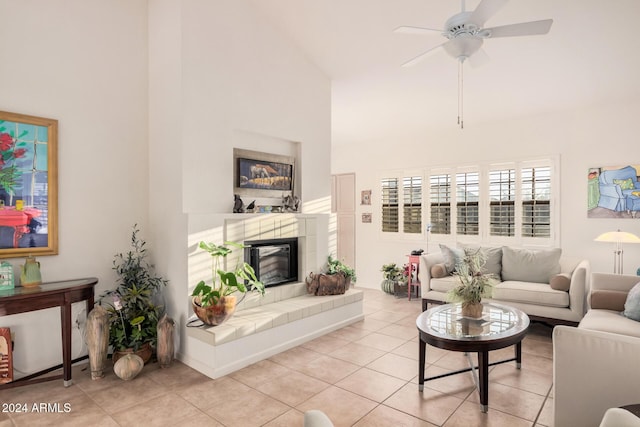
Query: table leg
{"points": [[519, 355], [483, 379], [422, 357], [65, 312]]}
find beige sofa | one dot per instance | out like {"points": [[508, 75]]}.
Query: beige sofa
{"points": [[539, 300], [596, 366]]}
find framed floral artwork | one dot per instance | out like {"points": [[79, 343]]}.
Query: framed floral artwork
{"points": [[28, 185]]}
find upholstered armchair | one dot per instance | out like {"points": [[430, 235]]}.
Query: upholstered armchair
{"points": [[615, 186]]}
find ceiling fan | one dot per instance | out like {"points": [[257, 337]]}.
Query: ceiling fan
{"points": [[465, 35]]}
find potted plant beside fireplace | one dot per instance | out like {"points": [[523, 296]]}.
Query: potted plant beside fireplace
{"points": [[216, 302]]}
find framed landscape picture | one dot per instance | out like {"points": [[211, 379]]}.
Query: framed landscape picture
{"points": [[28, 185]]}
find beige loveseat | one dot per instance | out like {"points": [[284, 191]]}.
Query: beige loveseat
{"points": [[534, 296], [596, 366]]}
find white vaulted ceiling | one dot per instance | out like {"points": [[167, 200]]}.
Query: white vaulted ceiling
{"points": [[591, 56]]}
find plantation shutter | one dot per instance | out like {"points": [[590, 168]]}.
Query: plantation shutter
{"points": [[440, 197], [467, 196], [502, 194], [536, 202], [390, 212], [412, 204]]}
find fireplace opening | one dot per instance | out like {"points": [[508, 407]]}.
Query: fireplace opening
{"points": [[275, 261]]}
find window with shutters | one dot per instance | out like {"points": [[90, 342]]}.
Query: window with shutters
{"points": [[390, 205], [412, 204], [467, 198], [502, 196], [536, 202], [440, 203]]}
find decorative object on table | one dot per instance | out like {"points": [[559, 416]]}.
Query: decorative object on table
{"points": [[97, 338], [6, 275], [30, 275], [6, 356], [133, 306], [128, 366], [474, 284], [238, 205], [20, 137], [391, 275], [251, 206], [290, 203], [165, 348], [618, 237], [335, 280], [216, 303], [365, 197]]}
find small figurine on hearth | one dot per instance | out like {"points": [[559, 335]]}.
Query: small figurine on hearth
{"points": [[238, 206]]}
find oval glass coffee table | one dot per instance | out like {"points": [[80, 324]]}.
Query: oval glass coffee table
{"points": [[444, 327]]}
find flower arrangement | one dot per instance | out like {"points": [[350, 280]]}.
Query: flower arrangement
{"points": [[474, 283]]}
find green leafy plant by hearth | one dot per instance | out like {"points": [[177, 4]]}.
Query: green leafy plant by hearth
{"points": [[241, 279], [335, 266], [393, 272], [474, 284], [132, 307]]}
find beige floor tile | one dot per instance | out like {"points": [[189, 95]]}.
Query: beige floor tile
{"points": [[137, 391], [400, 331], [325, 344], [388, 316], [527, 380], [429, 405], [291, 418], [82, 411], [537, 347], [177, 375], [369, 324], [470, 415], [520, 403], [292, 388], [381, 341], [459, 385], [537, 363], [342, 407], [396, 366], [259, 373], [295, 358], [408, 349], [168, 409], [454, 360], [329, 369], [349, 333], [545, 418], [371, 384], [383, 416], [359, 354]]}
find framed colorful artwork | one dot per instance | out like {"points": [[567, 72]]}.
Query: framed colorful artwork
{"points": [[613, 191], [28, 185]]}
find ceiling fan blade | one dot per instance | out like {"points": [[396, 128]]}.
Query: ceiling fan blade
{"points": [[479, 58], [523, 29], [416, 30], [424, 55], [485, 10]]}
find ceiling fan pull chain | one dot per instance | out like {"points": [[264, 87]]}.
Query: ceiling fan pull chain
{"points": [[460, 94]]}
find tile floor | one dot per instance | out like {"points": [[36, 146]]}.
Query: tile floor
{"points": [[361, 375]]}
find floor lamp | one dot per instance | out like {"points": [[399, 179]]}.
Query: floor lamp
{"points": [[618, 237]]}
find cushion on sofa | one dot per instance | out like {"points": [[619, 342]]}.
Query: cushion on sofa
{"points": [[632, 304], [439, 270], [610, 321], [606, 299], [529, 293], [452, 256], [561, 282], [530, 266], [444, 284], [493, 255]]}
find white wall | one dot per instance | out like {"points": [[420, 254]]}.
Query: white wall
{"points": [[593, 136], [84, 64]]}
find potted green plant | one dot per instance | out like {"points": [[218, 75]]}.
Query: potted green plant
{"points": [[132, 307], [215, 303], [391, 274], [335, 266], [474, 284]]}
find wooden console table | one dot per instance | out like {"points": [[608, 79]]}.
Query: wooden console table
{"points": [[52, 294]]}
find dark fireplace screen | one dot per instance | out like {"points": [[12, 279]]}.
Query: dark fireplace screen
{"points": [[275, 260]]}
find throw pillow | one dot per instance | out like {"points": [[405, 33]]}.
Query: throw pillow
{"points": [[625, 184], [526, 265], [439, 271], [452, 257], [605, 299], [632, 304], [493, 255], [561, 282]]}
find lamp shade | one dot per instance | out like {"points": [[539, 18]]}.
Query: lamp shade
{"points": [[618, 237]]}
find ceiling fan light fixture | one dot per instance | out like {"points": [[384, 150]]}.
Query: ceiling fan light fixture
{"points": [[463, 46]]}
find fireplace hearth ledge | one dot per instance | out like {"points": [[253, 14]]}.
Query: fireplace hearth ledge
{"points": [[258, 332]]}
